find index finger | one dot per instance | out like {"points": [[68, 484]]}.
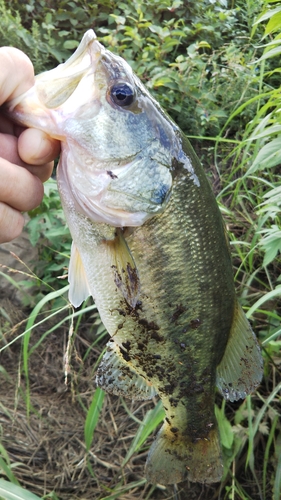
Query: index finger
{"points": [[17, 73]]}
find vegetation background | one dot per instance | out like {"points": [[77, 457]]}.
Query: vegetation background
{"points": [[214, 65]]}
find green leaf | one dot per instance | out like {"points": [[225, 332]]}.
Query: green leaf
{"points": [[204, 45], [271, 243], [70, 44], [267, 15], [162, 81], [254, 426], [271, 252], [274, 23], [118, 19], [268, 156], [270, 53]]}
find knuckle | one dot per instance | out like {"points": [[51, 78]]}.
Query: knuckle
{"points": [[11, 223]]}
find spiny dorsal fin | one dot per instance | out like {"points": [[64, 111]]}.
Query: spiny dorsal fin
{"points": [[124, 269], [79, 289], [116, 376], [240, 371]]}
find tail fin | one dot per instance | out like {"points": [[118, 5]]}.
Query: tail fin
{"points": [[173, 459]]}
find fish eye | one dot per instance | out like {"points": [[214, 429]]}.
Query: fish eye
{"points": [[122, 94]]}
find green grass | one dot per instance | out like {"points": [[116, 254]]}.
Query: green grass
{"points": [[10, 491]]}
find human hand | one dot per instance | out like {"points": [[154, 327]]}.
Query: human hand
{"points": [[26, 155]]}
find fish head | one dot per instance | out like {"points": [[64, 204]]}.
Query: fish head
{"points": [[118, 146]]}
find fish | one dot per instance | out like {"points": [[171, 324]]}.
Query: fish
{"points": [[150, 246]]}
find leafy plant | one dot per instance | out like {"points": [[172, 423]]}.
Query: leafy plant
{"points": [[49, 232]]}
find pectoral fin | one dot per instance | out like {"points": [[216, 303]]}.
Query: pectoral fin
{"points": [[240, 371], [79, 289], [125, 273], [116, 376]]}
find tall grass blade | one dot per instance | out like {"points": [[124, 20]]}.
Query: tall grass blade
{"points": [[10, 491], [253, 426], [93, 416], [5, 469], [225, 428], [151, 420], [267, 451], [268, 296], [123, 489], [277, 481], [271, 337], [10, 280], [30, 323]]}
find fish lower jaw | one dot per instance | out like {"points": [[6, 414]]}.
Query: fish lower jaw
{"points": [[96, 212]]}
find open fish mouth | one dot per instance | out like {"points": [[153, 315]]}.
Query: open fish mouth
{"points": [[58, 90]]}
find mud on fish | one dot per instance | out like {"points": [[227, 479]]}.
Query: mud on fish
{"points": [[150, 246]]}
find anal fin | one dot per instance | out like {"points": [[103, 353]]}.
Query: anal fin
{"points": [[115, 376], [240, 371]]}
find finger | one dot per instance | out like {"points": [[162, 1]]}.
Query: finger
{"points": [[36, 148], [43, 172], [7, 126], [18, 187], [17, 73], [11, 223], [9, 151]]}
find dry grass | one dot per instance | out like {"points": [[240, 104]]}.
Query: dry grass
{"points": [[47, 449]]}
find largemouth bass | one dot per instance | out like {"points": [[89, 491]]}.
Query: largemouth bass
{"points": [[149, 244]]}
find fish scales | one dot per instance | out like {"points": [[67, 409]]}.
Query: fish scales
{"points": [[191, 305], [150, 246]]}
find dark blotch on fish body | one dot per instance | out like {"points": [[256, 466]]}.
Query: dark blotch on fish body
{"points": [[195, 323]]}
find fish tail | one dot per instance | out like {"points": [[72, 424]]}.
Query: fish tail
{"points": [[173, 459]]}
